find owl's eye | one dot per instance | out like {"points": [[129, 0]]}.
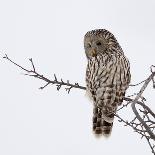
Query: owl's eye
{"points": [[88, 45], [98, 43]]}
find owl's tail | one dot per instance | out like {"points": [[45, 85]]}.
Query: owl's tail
{"points": [[100, 126]]}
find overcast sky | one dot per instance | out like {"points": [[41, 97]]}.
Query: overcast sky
{"points": [[46, 122]]}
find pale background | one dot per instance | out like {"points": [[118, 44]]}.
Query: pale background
{"points": [[35, 122]]}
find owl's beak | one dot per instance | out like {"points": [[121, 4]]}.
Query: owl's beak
{"points": [[93, 53]]}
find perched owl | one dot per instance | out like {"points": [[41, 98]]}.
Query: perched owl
{"points": [[107, 77]]}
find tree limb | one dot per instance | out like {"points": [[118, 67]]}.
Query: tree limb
{"points": [[144, 126]]}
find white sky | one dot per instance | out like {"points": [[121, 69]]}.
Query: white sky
{"points": [[35, 122]]}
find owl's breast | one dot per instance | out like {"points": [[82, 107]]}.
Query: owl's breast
{"points": [[107, 72]]}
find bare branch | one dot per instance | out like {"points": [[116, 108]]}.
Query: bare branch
{"points": [[124, 105], [151, 146], [137, 83], [44, 86], [153, 80], [6, 57], [35, 74], [142, 125], [135, 101], [32, 64]]}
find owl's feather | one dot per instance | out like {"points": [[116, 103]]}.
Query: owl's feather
{"points": [[107, 78]]}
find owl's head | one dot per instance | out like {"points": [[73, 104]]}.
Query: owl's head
{"points": [[99, 42]]}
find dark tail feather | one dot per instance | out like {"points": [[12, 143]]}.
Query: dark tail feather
{"points": [[107, 128], [100, 126], [97, 121]]}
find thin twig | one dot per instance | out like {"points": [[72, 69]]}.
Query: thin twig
{"points": [[6, 57], [32, 64], [137, 83]]}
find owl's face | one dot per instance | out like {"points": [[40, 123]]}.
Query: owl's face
{"points": [[98, 42], [94, 45]]}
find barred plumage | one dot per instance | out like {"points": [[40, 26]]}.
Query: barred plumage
{"points": [[107, 77]]}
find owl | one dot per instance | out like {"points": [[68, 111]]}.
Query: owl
{"points": [[107, 77]]}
